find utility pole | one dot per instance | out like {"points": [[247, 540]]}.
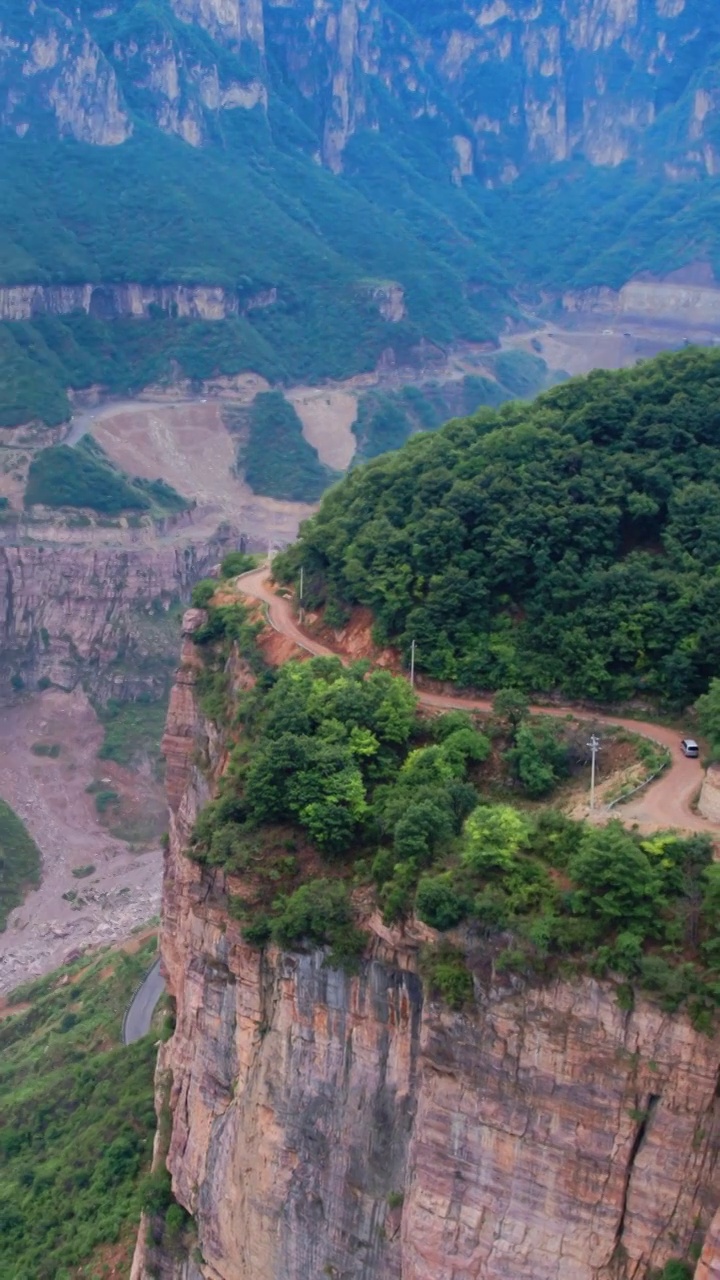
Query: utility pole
{"points": [[302, 580], [594, 745], [412, 664]]}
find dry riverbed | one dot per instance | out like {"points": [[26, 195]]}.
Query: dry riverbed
{"points": [[69, 912]]}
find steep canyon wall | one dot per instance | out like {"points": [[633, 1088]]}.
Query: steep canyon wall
{"points": [[115, 301], [96, 616], [350, 1126], [507, 83]]}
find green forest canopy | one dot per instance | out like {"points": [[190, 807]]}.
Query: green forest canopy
{"points": [[85, 477], [571, 543], [337, 783]]}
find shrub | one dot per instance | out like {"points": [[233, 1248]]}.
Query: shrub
{"points": [[203, 592], [320, 913], [105, 798], [175, 1220], [81, 873], [439, 904], [447, 975], [235, 563]]}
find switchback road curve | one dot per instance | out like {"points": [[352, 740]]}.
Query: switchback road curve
{"points": [[667, 802]]}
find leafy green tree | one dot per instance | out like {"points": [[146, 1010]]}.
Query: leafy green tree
{"points": [[538, 758], [235, 563], [320, 913], [424, 826], [616, 881], [494, 834], [203, 592], [439, 903], [511, 707], [708, 713]]}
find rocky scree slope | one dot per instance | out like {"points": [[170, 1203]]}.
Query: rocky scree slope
{"points": [[351, 1125]]}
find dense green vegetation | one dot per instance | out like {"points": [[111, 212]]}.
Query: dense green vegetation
{"points": [[76, 1118], [252, 211], [73, 213], [386, 419], [570, 543], [336, 784], [276, 457], [85, 477], [20, 861]]}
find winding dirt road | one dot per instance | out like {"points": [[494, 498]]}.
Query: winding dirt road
{"points": [[665, 803]]}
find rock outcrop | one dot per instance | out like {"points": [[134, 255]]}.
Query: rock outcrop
{"points": [[709, 802], [689, 298], [326, 1124], [114, 301], [506, 83]]}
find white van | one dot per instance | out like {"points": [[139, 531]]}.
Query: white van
{"points": [[689, 747]]}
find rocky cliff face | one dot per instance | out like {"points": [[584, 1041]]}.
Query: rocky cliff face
{"points": [[350, 1126], [113, 301], [99, 617], [505, 84]]}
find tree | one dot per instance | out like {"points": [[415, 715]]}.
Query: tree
{"points": [[538, 757], [439, 903], [510, 707], [616, 881], [235, 563], [708, 713], [494, 834]]}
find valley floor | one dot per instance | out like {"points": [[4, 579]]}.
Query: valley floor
{"points": [[50, 796]]}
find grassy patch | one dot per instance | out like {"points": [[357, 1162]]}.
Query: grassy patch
{"points": [[76, 1118], [20, 862]]}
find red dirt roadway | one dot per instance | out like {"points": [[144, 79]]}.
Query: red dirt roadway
{"points": [[665, 803]]}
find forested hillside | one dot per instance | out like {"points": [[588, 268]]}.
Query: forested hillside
{"points": [[339, 793], [568, 544], [328, 166]]}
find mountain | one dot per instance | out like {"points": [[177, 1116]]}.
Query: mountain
{"points": [[571, 543], [334, 184]]}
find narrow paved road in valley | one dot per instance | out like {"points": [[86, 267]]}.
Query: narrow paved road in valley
{"points": [[142, 1007], [665, 803]]}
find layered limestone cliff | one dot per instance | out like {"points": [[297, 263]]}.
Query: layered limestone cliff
{"points": [[689, 297], [114, 301], [350, 1126]]}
